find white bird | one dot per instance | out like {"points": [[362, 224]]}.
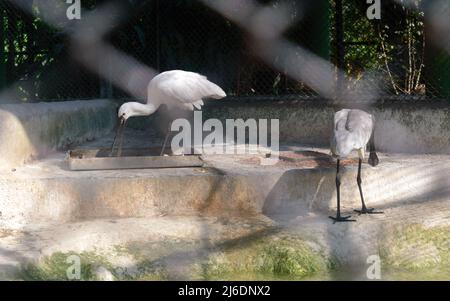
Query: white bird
{"points": [[352, 130], [175, 88]]}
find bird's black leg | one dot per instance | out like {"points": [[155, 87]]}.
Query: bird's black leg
{"points": [[364, 209], [114, 141], [119, 149], [119, 130], [165, 140], [338, 217]]}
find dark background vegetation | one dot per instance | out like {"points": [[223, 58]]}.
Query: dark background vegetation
{"points": [[185, 34]]}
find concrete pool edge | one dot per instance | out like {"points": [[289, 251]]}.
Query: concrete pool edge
{"points": [[226, 186]]}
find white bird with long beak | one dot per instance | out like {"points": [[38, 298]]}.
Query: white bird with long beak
{"points": [[353, 130], [175, 88]]}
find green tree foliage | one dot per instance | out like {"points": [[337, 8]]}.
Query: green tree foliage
{"points": [[184, 34]]}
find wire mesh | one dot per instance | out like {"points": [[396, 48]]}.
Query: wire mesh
{"points": [[394, 55]]}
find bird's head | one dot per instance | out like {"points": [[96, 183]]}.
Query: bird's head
{"points": [[130, 109], [125, 112]]}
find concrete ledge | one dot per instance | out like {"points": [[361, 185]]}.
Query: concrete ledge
{"points": [[30, 131], [405, 127], [228, 187]]}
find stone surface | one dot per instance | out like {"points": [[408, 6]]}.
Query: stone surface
{"points": [[401, 126], [228, 185], [231, 218], [102, 274], [175, 247], [32, 131]]}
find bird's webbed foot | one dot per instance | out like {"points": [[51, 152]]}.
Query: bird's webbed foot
{"points": [[339, 218], [365, 210]]}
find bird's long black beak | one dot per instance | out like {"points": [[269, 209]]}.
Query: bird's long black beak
{"points": [[119, 132], [119, 149]]}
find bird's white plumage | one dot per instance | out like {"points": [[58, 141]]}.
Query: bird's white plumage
{"points": [[352, 130], [182, 89], [176, 88]]}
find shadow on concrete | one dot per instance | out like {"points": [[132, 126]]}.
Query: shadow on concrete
{"points": [[288, 199], [291, 198]]}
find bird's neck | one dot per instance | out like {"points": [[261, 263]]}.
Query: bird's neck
{"points": [[140, 109]]}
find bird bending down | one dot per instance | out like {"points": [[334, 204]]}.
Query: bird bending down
{"points": [[353, 129], [175, 88]]}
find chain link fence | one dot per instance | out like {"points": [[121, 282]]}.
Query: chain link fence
{"points": [[395, 54], [395, 47]]}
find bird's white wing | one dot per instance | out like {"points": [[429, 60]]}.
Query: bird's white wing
{"points": [[352, 130], [340, 120], [359, 120], [186, 89]]}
